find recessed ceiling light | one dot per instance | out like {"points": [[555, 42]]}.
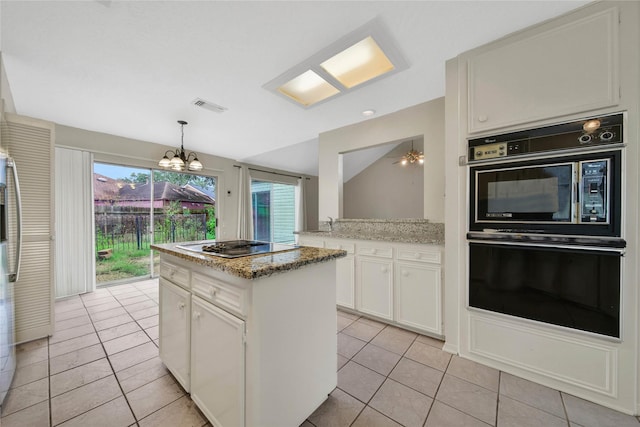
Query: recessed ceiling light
{"points": [[368, 113], [358, 63], [308, 88], [358, 59]]}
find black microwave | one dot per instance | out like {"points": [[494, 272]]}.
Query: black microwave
{"points": [[577, 195]]}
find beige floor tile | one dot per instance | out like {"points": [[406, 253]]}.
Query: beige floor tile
{"points": [[134, 293], [430, 341], [182, 412], [110, 305], [417, 376], [343, 322], [30, 373], [348, 346], [153, 332], [348, 315], [99, 301], [125, 342], [133, 356], [468, 398], [24, 396], [108, 314], [442, 415], [475, 373], [140, 306], [153, 396], [143, 373], [371, 418], [28, 355], [341, 361], [339, 409], [122, 289], [148, 322], [72, 323], [532, 394], [361, 330], [147, 312], [394, 339], [589, 414], [73, 344], [114, 321], [377, 359], [96, 294], [402, 404], [71, 314], [358, 381], [512, 413], [34, 416], [80, 400], [428, 355], [67, 334], [118, 331], [77, 377], [115, 413], [68, 305], [75, 358], [128, 300], [32, 345]]}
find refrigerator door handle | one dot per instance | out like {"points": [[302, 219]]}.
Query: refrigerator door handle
{"points": [[13, 275]]}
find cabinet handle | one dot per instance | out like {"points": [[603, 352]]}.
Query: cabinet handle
{"points": [[482, 118], [180, 306], [173, 273], [212, 291]]}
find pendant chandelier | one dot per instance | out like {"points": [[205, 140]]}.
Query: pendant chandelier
{"points": [[412, 157], [180, 159]]}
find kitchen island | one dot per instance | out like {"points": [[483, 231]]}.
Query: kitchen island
{"points": [[253, 339]]}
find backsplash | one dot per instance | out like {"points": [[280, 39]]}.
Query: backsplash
{"points": [[375, 227]]}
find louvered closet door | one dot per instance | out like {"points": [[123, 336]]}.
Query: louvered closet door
{"points": [[30, 143]]}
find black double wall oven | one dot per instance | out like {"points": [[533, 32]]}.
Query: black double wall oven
{"points": [[545, 224]]}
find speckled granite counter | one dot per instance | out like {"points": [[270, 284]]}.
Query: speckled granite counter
{"points": [[255, 266], [418, 231]]}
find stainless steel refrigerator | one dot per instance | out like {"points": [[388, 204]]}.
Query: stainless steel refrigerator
{"points": [[8, 275]]}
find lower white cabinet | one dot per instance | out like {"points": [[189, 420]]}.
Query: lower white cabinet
{"points": [[374, 286], [175, 322], [397, 282], [217, 363], [417, 296]]}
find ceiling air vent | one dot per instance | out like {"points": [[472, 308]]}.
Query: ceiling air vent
{"points": [[209, 105]]}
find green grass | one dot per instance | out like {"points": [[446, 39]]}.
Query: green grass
{"points": [[123, 265]]}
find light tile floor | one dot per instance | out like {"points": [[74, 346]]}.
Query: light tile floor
{"points": [[101, 368]]}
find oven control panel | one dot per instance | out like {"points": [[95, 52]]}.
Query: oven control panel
{"points": [[490, 151], [594, 191]]}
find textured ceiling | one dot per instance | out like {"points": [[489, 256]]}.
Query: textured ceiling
{"points": [[133, 68]]}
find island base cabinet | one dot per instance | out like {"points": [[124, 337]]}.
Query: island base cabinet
{"points": [[417, 296], [218, 364], [175, 320]]}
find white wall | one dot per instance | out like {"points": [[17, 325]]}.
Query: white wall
{"points": [[5, 90], [373, 193], [423, 119]]}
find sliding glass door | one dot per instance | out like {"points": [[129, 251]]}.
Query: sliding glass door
{"points": [[274, 211], [137, 207]]}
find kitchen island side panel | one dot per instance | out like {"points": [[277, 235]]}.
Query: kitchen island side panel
{"points": [[291, 345]]}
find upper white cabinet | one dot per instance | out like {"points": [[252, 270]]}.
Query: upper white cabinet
{"points": [[565, 70]]}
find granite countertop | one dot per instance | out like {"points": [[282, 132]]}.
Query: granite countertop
{"points": [[255, 266], [379, 236]]}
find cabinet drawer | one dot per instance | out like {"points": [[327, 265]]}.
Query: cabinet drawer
{"points": [[177, 274], [224, 295], [375, 250], [420, 255], [350, 247]]}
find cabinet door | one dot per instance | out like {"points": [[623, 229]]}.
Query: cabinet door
{"points": [[310, 241], [175, 322], [217, 364], [417, 296], [564, 70], [345, 281], [374, 286]]}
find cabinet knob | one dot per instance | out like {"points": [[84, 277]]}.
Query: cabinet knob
{"points": [[212, 291], [482, 118], [405, 273], [196, 315], [374, 251], [417, 256], [383, 269], [180, 306]]}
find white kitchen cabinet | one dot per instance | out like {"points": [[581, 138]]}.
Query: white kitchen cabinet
{"points": [[175, 320], [374, 286], [218, 364], [544, 74], [345, 273], [417, 296]]}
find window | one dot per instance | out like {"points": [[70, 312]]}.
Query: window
{"points": [[274, 211]]}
